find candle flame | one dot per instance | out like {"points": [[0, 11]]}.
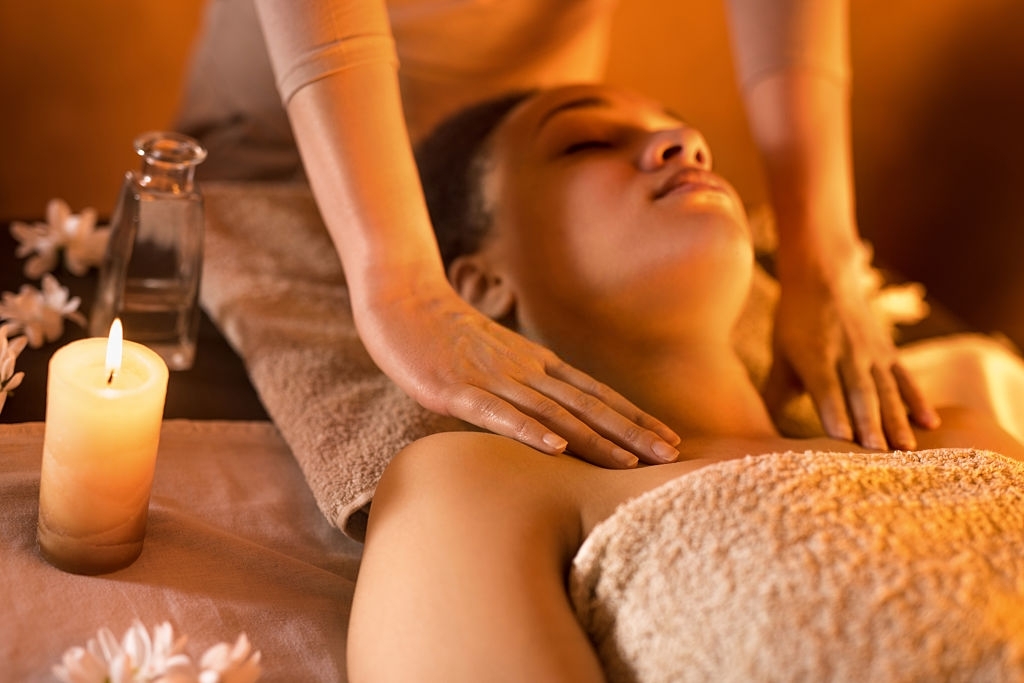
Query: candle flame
{"points": [[114, 349]]}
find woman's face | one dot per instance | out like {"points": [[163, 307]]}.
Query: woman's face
{"points": [[606, 212]]}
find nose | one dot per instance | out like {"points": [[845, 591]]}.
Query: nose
{"points": [[684, 146]]}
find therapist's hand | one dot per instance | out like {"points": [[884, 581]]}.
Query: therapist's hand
{"points": [[830, 342], [455, 361]]}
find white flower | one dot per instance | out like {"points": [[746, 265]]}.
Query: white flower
{"points": [[141, 658], [77, 234], [44, 240], [9, 379], [81, 665], [897, 304], [39, 314], [226, 664], [86, 243], [903, 304], [137, 658], [160, 657]]}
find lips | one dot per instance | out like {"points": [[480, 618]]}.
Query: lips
{"points": [[690, 180]]}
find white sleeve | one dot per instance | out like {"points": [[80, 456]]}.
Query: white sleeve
{"points": [[773, 35], [311, 39]]}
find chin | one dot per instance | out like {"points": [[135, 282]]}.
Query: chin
{"points": [[715, 278], [715, 234]]}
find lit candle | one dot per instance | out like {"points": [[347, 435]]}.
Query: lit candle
{"points": [[104, 407]]}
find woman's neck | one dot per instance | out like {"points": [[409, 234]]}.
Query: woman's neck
{"points": [[698, 389]]}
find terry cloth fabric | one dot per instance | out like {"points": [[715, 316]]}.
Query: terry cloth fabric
{"points": [[814, 566], [273, 284]]}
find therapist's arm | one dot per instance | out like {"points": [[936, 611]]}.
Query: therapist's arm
{"points": [[346, 114], [792, 59]]}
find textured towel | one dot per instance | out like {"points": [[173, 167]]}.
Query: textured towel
{"points": [[814, 566], [273, 285]]}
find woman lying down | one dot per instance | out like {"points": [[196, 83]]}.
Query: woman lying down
{"points": [[595, 226]]}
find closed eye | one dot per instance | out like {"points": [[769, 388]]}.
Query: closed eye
{"points": [[586, 145]]}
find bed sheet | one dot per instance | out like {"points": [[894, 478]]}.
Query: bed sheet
{"points": [[235, 543]]}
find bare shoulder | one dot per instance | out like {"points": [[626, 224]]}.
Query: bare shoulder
{"points": [[465, 448], [484, 461], [457, 461]]}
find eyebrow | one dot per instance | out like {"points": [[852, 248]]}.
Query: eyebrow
{"points": [[594, 101], [589, 101]]}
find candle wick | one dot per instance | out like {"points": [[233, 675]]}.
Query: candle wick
{"points": [[110, 377]]}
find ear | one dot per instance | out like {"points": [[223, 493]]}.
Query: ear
{"points": [[486, 290]]}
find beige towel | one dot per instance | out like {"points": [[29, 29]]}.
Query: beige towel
{"points": [[814, 566], [273, 284]]}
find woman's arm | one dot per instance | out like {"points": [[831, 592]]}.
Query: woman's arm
{"points": [[793, 65], [463, 573], [336, 70]]}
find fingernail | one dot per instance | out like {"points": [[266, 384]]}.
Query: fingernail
{"points": [[624, 458], [664, 452], [877, 444], [907, 443], [841, 432], [932, 420], [555, 442]]}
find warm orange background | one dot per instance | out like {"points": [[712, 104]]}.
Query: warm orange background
{"points": [[938, 110]]}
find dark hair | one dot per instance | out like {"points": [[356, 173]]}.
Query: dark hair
{"points": [[451, 161]]}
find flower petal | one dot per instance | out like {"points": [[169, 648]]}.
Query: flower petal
{"points": [[230, 664], [15, 346], [41, 264], [13, 383], [57, 212], [34, 334], [80, 666]]}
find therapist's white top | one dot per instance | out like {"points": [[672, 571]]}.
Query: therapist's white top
{"points": [[450, 53]]}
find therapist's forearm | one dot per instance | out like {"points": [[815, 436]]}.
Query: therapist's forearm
{"points": [[356, 152], [793, 66], [336, 69], [804, 131]]}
